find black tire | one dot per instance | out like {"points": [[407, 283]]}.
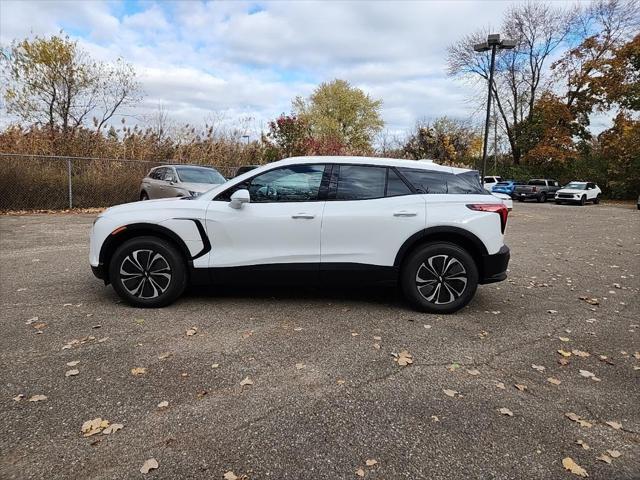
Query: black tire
{"points": [[558, 202], [144, 196], [542, 198], [596, 200], [583, 200], [459, 264], [154, 289], [521, 199]]}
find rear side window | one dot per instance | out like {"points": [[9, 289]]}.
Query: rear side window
{"points": [[426, 181], [357, 182], [395, 185]]}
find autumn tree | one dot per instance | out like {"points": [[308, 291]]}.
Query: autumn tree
{"points": [[53, 82], [290, 134], [445, 140], [340, 114], [538, 29]]}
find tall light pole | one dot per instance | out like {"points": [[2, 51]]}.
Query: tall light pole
{"points": [[493, 43]]}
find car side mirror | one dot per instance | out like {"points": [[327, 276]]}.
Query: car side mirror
{"points": [[239, 197]]}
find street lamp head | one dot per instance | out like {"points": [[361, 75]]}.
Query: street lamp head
{"points": [[481, 47], [493, 39], [507, 44]]}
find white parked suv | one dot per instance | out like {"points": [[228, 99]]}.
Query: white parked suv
{"points": [[349, 220], [579, 192]]}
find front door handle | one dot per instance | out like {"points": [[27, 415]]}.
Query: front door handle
{"points": [[404, 213], [303, 215]]}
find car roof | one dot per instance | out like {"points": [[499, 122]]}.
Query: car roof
{"points": [[423, 164]]}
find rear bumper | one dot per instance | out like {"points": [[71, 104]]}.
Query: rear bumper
{"points": [[526, 195], [494, 267]]}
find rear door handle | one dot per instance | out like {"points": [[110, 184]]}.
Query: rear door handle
{"points": [[303, 215], [404, 213]]}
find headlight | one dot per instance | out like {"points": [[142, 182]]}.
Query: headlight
{"points": [[193, 194]]}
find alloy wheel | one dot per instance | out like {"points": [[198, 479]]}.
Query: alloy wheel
{"points": [[442, 279], [145, 273]]}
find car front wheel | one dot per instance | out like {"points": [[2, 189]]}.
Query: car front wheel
{"points": [[583, 200], [439, 278], [148, 272], [596, 200]]}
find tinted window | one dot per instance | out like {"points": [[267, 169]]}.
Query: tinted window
{"points": [[360, 182], [489, 180], [297, 183], [539, 183], [158, 173], [395, 185], [169, 175], [199, 175], [426, 181]]}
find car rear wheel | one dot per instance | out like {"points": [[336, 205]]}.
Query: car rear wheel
{"points": [[148, 272], [583, 199], [439, 278], [144, 196], [542, 198]]}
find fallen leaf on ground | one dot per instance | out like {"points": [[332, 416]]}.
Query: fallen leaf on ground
{"points": [[588, 374], [520, 387], [500, 385], [191, 332], [604, 458], [614, 425], [360, 472], [138, 371], [563, 339], [404, 358], [553, 380], [230, 476], [614, 453], [300, 366], [246, 381], [354, 334], [371, 462], [473, 372], [164, 355], [582, 444], [340, 381], [91, 427], [31, 320], [573, 467], [539, 368], [434, 418], [18, 397], [552, 312], [505, 411], [376, 346], [114, 427], [564, 353], [73, 364], [215, 365], [71, 373], [580, 353], [37, 398], [377, 339], [450, 393], [163, 404], [150, 464], [590, 301], [572, 416]]}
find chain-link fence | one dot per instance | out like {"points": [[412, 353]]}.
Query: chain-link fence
{"points": [[38, 182]]}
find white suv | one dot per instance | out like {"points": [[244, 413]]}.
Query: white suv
{"points": [[348, 220]]}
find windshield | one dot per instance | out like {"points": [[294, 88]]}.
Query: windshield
{"points": [[576, 186], [199, 175]]}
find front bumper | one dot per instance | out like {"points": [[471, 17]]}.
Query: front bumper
{"points": [[494, 267]]}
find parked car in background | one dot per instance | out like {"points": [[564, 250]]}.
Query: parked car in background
{"points": [[579, 192], [244, 169], [638, 204], [179, 181], [506, 186], [539, 189], [490, 181], [430, 228]]}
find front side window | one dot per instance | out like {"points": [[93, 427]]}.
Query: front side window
{"points": [[296, 183], [356, 182], [199, 175]]}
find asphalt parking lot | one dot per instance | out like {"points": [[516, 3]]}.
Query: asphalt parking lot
{"points": [[326, 393]]}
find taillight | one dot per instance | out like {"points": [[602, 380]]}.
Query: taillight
{"points": [[498, 208]]}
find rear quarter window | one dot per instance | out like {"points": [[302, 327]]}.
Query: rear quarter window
{"points": [[425, 181]]}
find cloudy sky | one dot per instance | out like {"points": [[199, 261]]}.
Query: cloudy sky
{"points": [[237, 59]]}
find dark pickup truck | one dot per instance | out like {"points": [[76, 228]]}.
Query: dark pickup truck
{"points": [[539, 189]]}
